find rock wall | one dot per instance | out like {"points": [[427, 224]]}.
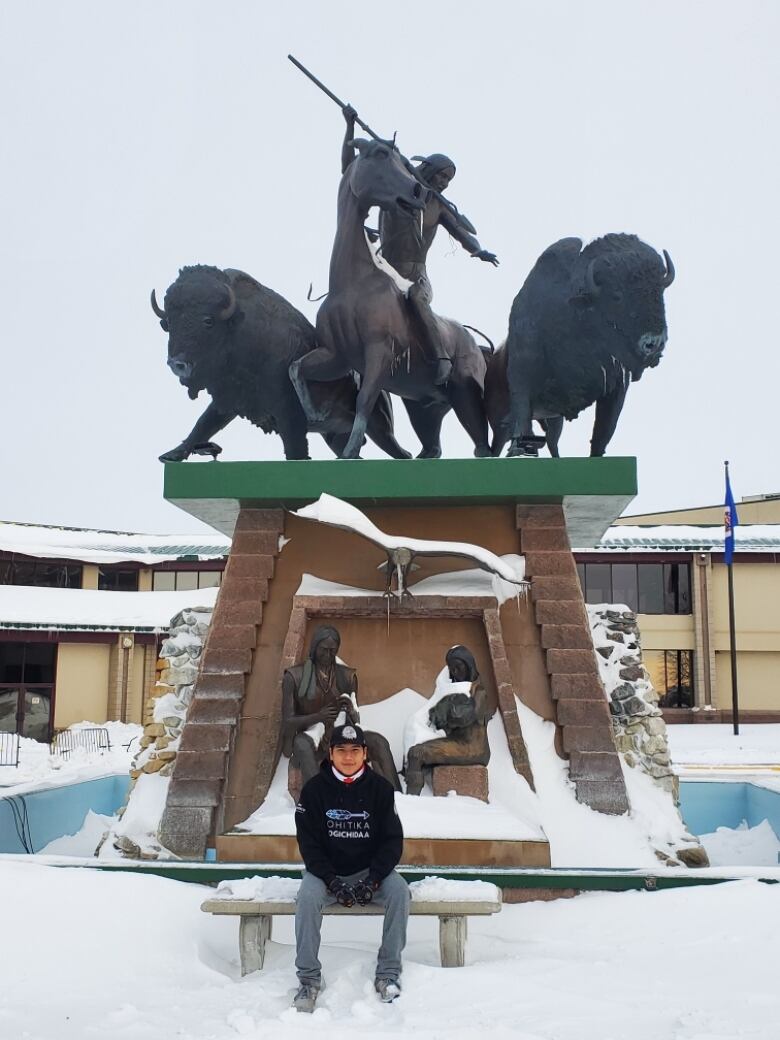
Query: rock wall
{"points": [[135, 834], [637, 721]]}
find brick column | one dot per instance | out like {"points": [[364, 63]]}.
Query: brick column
{"points": [[581, 704], [193, 808]]}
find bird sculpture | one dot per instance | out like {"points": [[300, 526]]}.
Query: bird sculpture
{"points": [[402, 551]]}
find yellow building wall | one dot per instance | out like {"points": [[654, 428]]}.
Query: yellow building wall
{"points": [[758, 679], [145, 580], [82, 683], [762, 512], [666, 631], [756, 614]]}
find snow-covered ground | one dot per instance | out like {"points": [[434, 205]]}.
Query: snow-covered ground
{"points": [[38, 768], [133, 958], [714, 744]]}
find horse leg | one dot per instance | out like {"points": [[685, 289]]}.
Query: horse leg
{"points": [[468, 402], [426, 418], [377, 357], [380, 428], [320, 364], [337, 442], [553, 429]]}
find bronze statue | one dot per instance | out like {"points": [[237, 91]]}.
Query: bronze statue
{"points": [[235, 338], [462, 716], [584, 326], [406, 240], [365, 324], [315, 693]]}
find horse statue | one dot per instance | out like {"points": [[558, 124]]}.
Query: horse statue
{"points": [[365, 324]]}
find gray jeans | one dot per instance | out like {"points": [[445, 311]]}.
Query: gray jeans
{"points": [[313, 896]]}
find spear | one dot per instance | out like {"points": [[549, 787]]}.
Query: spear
{"points": [[462, 219]]}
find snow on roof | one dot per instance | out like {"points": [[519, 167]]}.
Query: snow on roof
{"points": [[89, 546], [28, 607], [685, 538]]}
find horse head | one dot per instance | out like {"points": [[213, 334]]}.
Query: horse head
{"points": [[379, 177]]}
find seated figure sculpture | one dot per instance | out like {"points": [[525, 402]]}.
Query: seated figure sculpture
{"points": [[317, 695], [462, 716]]}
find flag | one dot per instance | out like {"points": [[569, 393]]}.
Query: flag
{"points": [[730, 521]]}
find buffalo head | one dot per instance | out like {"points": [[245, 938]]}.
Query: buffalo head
{"points": [[620, 282], [199, 309]]}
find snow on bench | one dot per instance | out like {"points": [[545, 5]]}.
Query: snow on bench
{"points": [[258, 900]]}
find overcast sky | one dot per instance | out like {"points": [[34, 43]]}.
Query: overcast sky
{"points": [[142, 137]]}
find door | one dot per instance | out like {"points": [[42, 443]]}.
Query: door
{"points": [[27, 673]]}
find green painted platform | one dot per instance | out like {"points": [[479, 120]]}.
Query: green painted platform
{"points": [[580, 880], [593, 492]]}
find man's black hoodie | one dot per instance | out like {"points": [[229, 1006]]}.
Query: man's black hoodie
{"points": [[344, 828]]}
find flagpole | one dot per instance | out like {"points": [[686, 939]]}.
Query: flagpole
{"points": [[732, 627]]}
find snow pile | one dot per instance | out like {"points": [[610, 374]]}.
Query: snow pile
{"points": [[333, 511], [270, 889], [93, 608], [132, 956], [432, 889], [743, 846], [38, 768], [84, 841]]}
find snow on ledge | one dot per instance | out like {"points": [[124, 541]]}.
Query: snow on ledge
{"points": [[471, 582], [333, 511], [27, 605]]}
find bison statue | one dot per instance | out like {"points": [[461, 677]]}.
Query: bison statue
{"points": [[235, 338], [585, 324]]}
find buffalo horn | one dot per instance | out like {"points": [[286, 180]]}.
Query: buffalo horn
{"points": [[669, 273], [591, 285], [156, 307], [228, 311]]}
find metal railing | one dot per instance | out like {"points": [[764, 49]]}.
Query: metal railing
{"points": [[88, 739], [9, 749]]}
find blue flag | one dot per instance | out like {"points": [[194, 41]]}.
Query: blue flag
{"points": [[730, 521]]}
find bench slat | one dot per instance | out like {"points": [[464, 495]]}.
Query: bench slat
{"points": [[433, 908]]}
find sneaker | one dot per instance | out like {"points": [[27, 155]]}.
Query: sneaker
{"points": [[388, 990], [306, 997]]}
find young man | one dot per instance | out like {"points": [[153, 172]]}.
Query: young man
{"points": [[350, 839]]}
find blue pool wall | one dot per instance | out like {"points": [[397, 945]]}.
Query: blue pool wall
{"points": [[705, 806], [57, 811]]}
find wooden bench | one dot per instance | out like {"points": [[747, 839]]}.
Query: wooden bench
{"points": [[257, 916]]}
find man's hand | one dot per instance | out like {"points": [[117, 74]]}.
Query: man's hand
{"points": [[350, 115], [483, 254], [344, 893], [364, 890], [329, 713]]}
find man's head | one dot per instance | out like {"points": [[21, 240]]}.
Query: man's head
{"points": [[325, 645], [437, 170], [348, 749]]}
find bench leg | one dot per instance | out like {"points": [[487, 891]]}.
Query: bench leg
{"points": [[253, 933], [452, 941]]}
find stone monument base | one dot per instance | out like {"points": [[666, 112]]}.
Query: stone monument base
{"points": [[470, 781]]}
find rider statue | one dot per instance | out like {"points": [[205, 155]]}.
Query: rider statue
{"points": [[405, 245]]}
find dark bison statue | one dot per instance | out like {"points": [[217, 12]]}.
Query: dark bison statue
{"points": [[586, 323], [234, 338]]}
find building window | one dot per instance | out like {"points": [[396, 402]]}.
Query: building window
{"points": [[27, 688], [647, 588], [671, 673], [31, 572], [179, 581], [113, 579]]}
